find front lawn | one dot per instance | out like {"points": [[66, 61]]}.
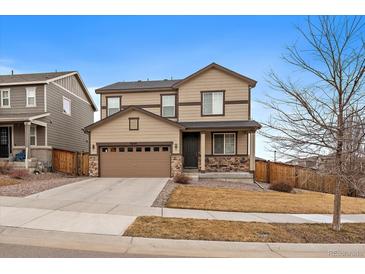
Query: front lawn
{"points": [[223, 199], [216, 230]]}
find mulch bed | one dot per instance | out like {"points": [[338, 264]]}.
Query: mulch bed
{"points": [[34, 183], [217, 230]]}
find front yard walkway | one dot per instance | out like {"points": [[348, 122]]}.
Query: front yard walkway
{"points": [[238, 200]]}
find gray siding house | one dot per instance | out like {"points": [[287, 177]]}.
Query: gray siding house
{"points": [[43, 111]]}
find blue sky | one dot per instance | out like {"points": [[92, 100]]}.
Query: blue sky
{"points": [[107, 49]]}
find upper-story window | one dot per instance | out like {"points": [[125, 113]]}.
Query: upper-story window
{"points": [[212, 103], [31, 97], [5, 98], [66, 106], [113, 104], [168, 106]]}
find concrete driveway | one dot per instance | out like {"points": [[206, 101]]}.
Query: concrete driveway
{"points": [[125, 191]]}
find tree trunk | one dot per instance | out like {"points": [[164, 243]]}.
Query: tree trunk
{"points": [[336, 222]]}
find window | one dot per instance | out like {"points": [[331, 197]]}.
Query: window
{"points": [[133, 123], [224, 143], [168, 106], [113, 149], [156, 149], [165, 148], [66, 106], [31, 99], [121, 149], [104, 149], [113, 104], [130, 149], [212, 103], [138, 149], [147, 149], [5, 98], [33, 135]]}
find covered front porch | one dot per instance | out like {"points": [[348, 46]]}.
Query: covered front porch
{"points": [[219, 147], [23, 139]]}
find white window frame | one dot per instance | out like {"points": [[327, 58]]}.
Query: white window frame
{"points": [[224, 143], [107, 103], [213, 92], [35, 135], [162, 105], [28, 90], [63, 105], [2, 97]]}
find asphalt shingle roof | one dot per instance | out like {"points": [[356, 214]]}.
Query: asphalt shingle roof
{"points": [[31, 77], [141, 85]]}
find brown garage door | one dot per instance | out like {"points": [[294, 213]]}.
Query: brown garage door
{"points": [[135, 161]]}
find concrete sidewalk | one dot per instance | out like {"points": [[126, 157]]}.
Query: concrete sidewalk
{"points": [[88, 219], [177, 248]]}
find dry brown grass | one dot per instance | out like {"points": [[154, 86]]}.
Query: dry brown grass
{"points": [[8, 181], [215, 230], [253, 201]]}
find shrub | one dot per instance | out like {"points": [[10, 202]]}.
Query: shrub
{"points": [[182, 179], [282, 187], [5, 168], [19, 174]]}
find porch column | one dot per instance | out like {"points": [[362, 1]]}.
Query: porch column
{"points": [[252, 151], [202, 151], [27, 142]]}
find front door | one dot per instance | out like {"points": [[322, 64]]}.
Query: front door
{"points": [[191, 149], [4, 142]]}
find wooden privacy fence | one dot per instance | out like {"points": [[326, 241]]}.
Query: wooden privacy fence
{"points": [[70, 162], [298, 177]]}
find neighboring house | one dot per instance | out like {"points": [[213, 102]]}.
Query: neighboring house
{"points": [[42, 111], [160, 128]]}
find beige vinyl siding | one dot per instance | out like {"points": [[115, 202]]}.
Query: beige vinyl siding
{"points": [[137, 99], [211, 80], [150, 130], [72, 83], [232, 112], [64, 131], [242, 142], [18, 96]]}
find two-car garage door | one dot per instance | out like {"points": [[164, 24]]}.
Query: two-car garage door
{"points": [[135, 161]]}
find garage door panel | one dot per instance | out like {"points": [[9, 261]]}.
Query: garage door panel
{"points": [[134, 164]]}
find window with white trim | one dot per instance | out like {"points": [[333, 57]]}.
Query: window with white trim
{"points": [[5, 98], [66, 106], [113, 104], [168, 106], [33, 135], [31, 97], [212, 103], [224, 143]]}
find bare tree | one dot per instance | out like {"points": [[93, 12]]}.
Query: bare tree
{"points": [[322, 113]]}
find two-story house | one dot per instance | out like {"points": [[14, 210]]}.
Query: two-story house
{"points": [[42, 111], [161, 128]]}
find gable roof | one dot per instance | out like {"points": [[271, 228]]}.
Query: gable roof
{"points": [[161, 85], [40, 78], [140, 85], [127, 110], [250, 81], [43, 78]]}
